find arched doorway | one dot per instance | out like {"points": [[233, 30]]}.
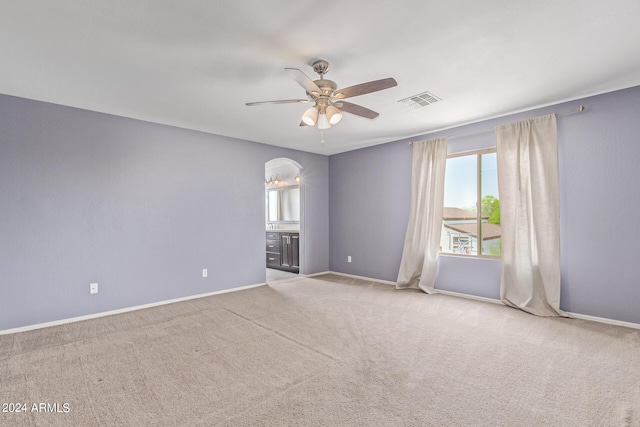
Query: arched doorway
{"points": [[284, 219]]}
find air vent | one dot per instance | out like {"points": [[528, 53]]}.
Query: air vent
{"points": [[420, 100]]}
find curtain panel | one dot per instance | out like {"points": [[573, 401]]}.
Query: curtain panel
{"points": [[419, 263], [527, 153]]}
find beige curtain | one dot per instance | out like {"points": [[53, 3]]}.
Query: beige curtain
{"points": [[527, 154], [419, 263]]}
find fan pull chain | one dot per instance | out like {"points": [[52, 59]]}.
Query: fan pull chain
{"points": [[321, 137]]}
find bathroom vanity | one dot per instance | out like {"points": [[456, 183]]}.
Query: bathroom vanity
{"points": [[283, 250]]}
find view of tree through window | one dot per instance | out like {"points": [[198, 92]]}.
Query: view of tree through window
{"points": [[471, 216]]}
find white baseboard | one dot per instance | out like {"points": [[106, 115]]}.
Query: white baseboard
{"points": [[467, 296], [370, 279], [121, 310], [604, 320], [496, 301], [436, 291], [316, 274]]}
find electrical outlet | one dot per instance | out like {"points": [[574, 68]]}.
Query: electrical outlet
{"points": [[204, 272], [93, 288], [349, 258]]}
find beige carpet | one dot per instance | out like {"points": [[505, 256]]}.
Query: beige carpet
{"points": [[326, 351]]}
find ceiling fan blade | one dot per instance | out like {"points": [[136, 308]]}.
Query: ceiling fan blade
{"points": [[358, 110], [282, 101], [304, 81], [365, 88]]}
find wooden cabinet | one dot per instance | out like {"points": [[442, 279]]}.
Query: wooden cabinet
{"points": [[283, 251], [290, 250], [273, 252]]}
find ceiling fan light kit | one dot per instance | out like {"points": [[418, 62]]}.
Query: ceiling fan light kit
{"points": [[323, 122], [333, 114], [310, 116], [327, 98], [324, 117]]}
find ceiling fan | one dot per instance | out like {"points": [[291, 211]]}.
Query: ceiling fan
{"points": [[328, 99]]}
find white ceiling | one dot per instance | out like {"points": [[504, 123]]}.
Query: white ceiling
{"points": [[194, 64]]}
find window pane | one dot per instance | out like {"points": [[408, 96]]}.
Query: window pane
{"points": [[459, 225], [490, 232]]}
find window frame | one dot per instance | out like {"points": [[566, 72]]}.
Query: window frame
{"points": [[478, 153]]}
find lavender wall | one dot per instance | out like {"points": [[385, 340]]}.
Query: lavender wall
{"points": [[598, 154], [141, 208], [138, 207], [369, 190]]}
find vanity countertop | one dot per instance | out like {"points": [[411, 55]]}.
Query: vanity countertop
{"points": [[284, 231]]}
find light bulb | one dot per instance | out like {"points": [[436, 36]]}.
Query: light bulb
{"points": [[323, 122], [334, 115], [310, 116]]}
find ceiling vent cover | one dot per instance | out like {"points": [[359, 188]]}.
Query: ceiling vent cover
{"points": [[420, 100]]}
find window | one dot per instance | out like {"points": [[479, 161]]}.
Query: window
{"points": [[471, 215]]}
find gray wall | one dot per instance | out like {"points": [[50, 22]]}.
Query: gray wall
{"points": [[370, 190], [141, 208], [138, 207], [598, 154]]}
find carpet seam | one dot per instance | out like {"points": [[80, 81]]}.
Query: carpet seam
{"points": [[283, 336]]}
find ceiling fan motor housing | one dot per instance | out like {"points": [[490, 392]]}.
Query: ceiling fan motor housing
{"points": [[326, 86], [320, 66]]}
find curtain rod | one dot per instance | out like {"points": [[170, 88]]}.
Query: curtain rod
{"points": [[580, 109]]}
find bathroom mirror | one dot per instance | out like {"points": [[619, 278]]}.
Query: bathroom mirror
{"points": [[283, 204]]}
